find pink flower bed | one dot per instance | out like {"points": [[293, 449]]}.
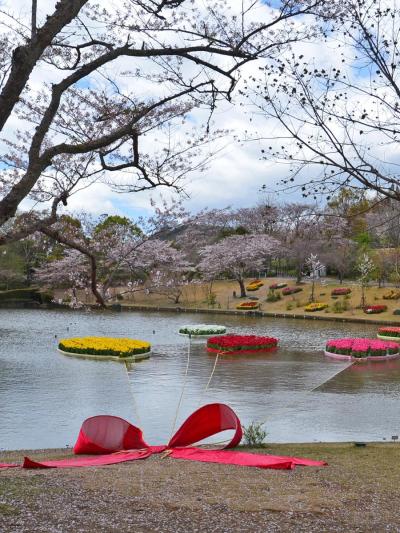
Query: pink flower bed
{"points": [[361, 348]]}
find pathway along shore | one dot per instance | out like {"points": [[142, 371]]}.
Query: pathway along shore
{"points": [[356, 492]]}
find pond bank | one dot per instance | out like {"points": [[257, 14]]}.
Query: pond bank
{"points": [[313, 316], [354, 493]]}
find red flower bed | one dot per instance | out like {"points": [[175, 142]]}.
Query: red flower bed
{"points": [[241, 343], [374, 309], [291, 290], [340, 291], [389, 332]]}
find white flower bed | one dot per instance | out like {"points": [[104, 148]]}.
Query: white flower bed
{"points": [[202, 330]]}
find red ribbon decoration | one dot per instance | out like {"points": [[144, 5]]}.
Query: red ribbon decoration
{"points": [[111, 440]]}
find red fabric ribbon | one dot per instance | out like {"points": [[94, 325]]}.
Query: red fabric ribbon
{"points": [[111, 440]]}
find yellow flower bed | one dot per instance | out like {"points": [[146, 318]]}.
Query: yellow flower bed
{"points": [[316, 306], [254, 285], [248, 306], [104, 346]]}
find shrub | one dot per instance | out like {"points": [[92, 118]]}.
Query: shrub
{"points": [[212, 298], [273, 296], [339, 307], [289, 306], [396, 312], [26, 294], [254, 434]]}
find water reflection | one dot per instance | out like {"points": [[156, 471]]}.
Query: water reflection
{"points": [[301, 395]]}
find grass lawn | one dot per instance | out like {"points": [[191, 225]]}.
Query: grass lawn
{"points": [[358, 491]]}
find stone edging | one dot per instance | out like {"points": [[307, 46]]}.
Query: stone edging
{"points": [[257, 314]]}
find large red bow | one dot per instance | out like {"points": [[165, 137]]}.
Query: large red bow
{"points": [[112, 440]]}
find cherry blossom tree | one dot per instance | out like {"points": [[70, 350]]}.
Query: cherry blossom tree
{"points": [[83, 88], [315, 266], [236, 255], [365, 267], [106, 254], [336, 112], [170, 276]]}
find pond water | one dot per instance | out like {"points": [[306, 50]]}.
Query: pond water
{"points": [[301, 395]]}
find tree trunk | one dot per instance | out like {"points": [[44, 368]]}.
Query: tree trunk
{"points": [[242, 288], [298, 274], [59, 237]]}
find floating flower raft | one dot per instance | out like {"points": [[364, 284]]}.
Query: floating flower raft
{"points": [[202, 330], [241, 344], [102, 348], [389, 334], [355, 349]]}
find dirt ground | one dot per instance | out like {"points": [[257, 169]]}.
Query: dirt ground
{"points": [[195, 296], [357, 492]]}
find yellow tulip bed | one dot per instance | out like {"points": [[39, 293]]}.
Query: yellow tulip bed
{"points": [[254, 285], [317, 306], [248, 306], [104, 346]]}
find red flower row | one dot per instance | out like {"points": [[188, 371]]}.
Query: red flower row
{"points": [[340, 291], [373, 309], [291, 290], [389, 331]]}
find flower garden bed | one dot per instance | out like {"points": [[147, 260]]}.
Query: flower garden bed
{"points": [[291, 290], [393, 294], [340, 291], [374, 309], [103, 348], [201, 330], [241, 344], [355, 349], [248, 306], [315, 306], [254, 285], [389, 333], [275, 286]]}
